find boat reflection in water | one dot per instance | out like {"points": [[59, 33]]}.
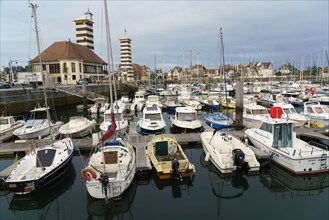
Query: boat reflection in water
{"points": [[114, 207], [41, 198], [225, 186], [280, 180], [176, 186]]}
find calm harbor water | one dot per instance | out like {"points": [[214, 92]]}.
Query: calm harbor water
{"points": [[272, 194]]}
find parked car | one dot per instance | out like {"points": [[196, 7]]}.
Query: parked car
{"points": [[21, 82], [82, 81], [4, 85]]}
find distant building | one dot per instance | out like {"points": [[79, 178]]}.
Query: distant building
{"points": [[84, 30], [286, 69], [68, 62], [259, 70], [140, 72], [126, 68]]}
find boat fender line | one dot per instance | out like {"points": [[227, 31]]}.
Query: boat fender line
{"points": [[207, 157], [87, 173]]}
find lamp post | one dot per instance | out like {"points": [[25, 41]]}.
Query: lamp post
{"points": [[11, 69]]}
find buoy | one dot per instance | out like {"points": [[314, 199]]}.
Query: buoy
{"points": [[207, 157], [87, 173], [276, 112]]}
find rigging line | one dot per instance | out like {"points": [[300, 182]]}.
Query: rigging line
{"points": [[83, 163]]}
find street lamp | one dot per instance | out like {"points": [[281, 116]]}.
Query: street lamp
{"points": [[11, 69]]}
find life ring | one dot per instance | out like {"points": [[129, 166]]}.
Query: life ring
{"points": [[315, 123], [87, 173]]}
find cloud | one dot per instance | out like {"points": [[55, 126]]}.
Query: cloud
{"points": [[274, 30]]}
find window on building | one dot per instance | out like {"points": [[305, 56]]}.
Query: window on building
{"points": [[64, 68], [73, 67], [79, 67], [74, 77], [44, 67], [54, 68]]}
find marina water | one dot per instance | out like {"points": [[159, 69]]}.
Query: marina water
{"points": [[274, 193]]}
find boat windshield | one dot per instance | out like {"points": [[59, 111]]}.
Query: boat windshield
{"points": [[289, 110], [259, 111], [153, 117], [282, 135], [3, 121], [318, 109], [266, 127], [117, 116], [186, 116]]}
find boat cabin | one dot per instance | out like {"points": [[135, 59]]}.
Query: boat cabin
{"points": [[282, 131], [185, 114]]}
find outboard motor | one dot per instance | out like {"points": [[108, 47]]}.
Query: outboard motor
{"points": [[104, 180], [238, 157], [175, 168]]}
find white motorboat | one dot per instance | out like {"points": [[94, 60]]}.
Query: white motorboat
{"points": [[183, 96], [111, 169], [38, 126], [8, 125], [77, 127], [152, 121], [41, 166], [290, 113], [318, 114], [277, 137], [193, 103], [153, 100], [138, 102], [121, 123], [253, 115], [101, 105], [228, 153], [171, 103], [185, 121]]}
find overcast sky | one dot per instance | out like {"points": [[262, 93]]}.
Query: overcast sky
{"points": [[277, 31]]}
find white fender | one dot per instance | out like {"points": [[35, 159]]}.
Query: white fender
{"points": [[207, 157]]}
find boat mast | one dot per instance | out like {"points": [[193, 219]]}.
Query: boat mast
{"points": [[109, 55], [34, 14], [224, 71]]}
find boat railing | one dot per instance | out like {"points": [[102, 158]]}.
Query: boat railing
{"points": [[319, 145]]}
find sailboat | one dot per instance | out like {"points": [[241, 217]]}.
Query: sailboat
{"points": [[112, 165], [43, 164]]}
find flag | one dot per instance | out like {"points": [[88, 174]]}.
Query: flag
{"points": [[111, 130]]}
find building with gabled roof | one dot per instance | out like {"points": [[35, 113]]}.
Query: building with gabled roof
{"points": [[68, 62]]}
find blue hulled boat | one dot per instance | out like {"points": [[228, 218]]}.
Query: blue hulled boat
{"points": [[217, 120]]}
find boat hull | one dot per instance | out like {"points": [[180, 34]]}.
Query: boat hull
{"points": [[114, 188]]}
